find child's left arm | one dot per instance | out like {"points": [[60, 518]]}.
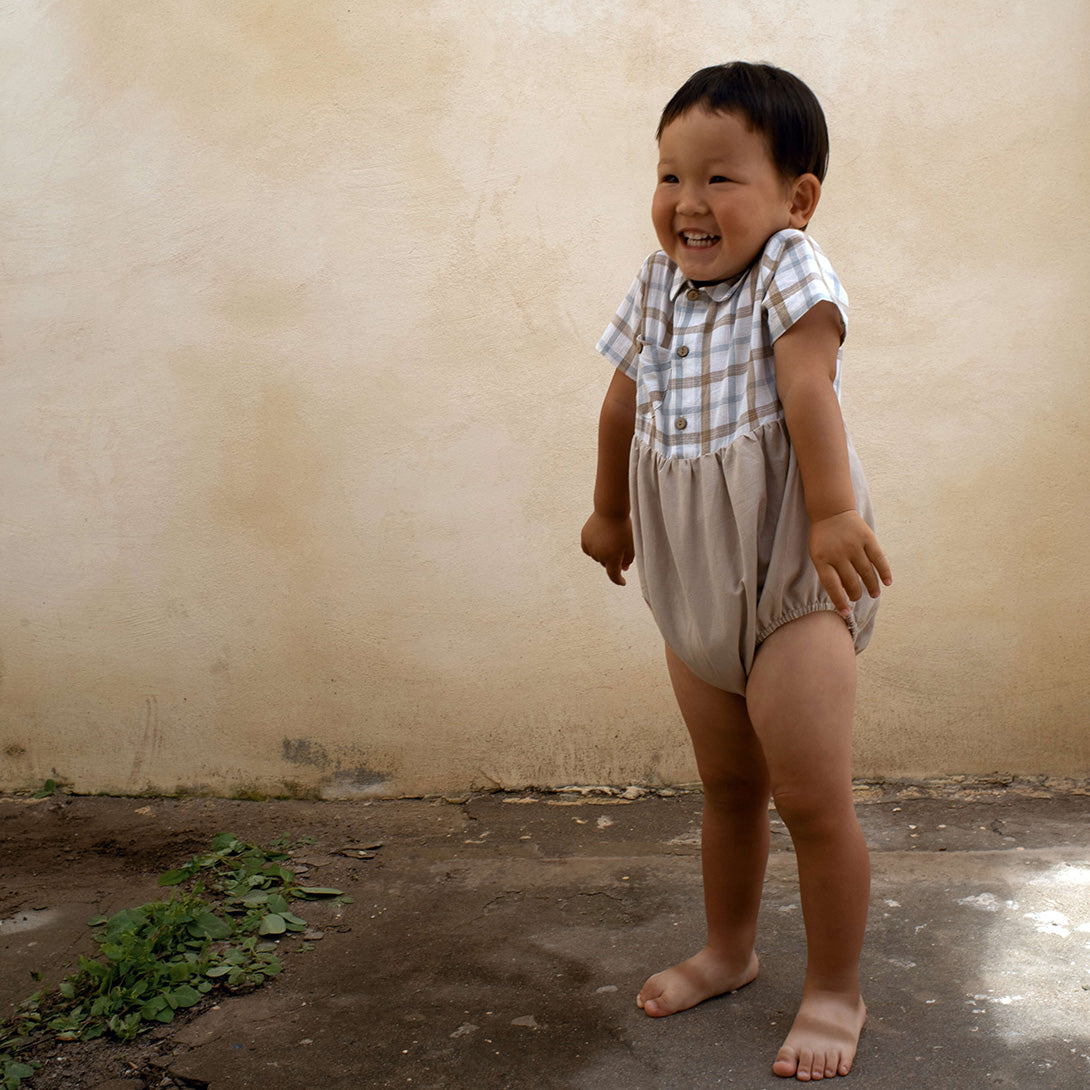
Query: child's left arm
{"points": [[844, 549]]}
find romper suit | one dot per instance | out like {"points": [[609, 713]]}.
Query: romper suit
{"points": [[718, 515]]}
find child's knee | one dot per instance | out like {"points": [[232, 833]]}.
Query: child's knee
{"points": [[809, 810]]}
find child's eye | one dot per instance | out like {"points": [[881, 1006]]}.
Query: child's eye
{"points": [[670, 179], [718, 178]]}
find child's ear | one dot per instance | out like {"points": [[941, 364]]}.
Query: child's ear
{"points": [[805, 194]]}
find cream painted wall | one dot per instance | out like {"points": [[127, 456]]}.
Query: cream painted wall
{"points": [[299, 391]]}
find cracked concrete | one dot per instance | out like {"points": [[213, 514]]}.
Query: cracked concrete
{"points": [[500, 943]]}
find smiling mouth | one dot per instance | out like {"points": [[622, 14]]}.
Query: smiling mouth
{"points": [[698, 239]]}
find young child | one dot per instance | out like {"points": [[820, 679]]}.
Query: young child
{"points": [[725, 471]]}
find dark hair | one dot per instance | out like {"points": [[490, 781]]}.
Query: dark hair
{"points": [[774, 103]]}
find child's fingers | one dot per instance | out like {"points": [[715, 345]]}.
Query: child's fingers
{"points": [[834, 587], [872, 566], [880, 563], [614, 568], [868, 577]]}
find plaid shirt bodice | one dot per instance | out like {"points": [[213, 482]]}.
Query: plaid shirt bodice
{"points": [[702, 358]]}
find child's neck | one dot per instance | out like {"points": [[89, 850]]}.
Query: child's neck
{"points": [[712, 283]]}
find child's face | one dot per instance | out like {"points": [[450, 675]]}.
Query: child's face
{"points": [[719, 197]]}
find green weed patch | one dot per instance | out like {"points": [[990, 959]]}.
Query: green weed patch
{"points": [[219, 930]]}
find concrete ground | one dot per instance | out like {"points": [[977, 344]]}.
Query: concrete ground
{"points": [[499, 941]]}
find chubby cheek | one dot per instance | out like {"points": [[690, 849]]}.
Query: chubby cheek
{"points": [[662, 217]]}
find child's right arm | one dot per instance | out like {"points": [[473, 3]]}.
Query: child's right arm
{"points": [[607, 534]]}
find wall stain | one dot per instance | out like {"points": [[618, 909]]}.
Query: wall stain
{"points": [[348, 784], [151, 744], [337, 779], [303, 751]]}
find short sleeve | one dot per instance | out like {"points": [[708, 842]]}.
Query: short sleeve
{"points": [[620, 342], [796, 276]]}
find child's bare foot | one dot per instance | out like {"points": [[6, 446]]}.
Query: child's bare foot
{"points": [[691, 982], [823, 1039]]}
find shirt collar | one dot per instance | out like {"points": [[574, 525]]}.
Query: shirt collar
{"points": [[717, 292]]}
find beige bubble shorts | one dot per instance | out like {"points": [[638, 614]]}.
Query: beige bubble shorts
{"points": [[722, 550]]}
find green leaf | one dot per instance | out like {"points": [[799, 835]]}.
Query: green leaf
{"points": [[211, 925], [49, 788], [185, 996], [219, 970], [67, 989], [272, 924], [316, 891], [150, 1009], [293, 922]]}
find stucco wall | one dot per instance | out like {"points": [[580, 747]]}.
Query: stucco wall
{"points": [[299, 394]]}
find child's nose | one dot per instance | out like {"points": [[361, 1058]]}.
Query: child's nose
{"points": [[691, 201]]}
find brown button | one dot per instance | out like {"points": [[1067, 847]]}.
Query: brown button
{"points": [[692, 293], [681, 423], [683, 351]]}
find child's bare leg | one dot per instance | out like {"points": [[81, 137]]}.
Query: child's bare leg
{"points": [[734, 846], [801, 696]]}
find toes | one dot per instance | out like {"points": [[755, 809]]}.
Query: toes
{"points": [[806, 1066], [786, 1063]]}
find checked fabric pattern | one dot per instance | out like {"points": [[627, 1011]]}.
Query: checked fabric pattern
{"points": [[702, 358]]}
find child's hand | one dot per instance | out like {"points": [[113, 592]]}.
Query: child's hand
{"points": [[609, 541], [848, 558]]}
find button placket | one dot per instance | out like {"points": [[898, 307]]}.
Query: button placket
{"points": [[681, 422]]}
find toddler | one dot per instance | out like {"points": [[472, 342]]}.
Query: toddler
{"points": [[725, 472]]}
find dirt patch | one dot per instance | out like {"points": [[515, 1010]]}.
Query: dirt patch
{"points": [[65, 860]]}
